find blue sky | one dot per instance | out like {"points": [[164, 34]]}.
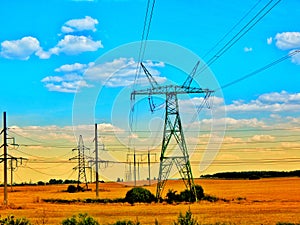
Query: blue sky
{"points": [[195, 25], [48, 46]]}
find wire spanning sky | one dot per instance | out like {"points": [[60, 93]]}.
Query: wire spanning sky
{"points": [[49, 52]]}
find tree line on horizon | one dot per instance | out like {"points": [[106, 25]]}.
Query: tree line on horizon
{"points": [[252, 175]]}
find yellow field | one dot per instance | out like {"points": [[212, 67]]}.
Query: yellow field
{"points": [[265, 201]]}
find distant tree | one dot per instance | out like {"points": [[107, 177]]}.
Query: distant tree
{"points": [[40, 183], [70, 181], [54, 181], [254, 177]]}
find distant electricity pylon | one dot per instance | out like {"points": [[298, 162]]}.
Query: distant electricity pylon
{"points": [[136, 163], [81, 164], [173, 128]]}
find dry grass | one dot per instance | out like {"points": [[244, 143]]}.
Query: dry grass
{"points": [[264, 201]]}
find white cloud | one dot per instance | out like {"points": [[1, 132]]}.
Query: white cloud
{"points": [[288, 40], [117, 73], [248, 49], [76, 25], [20, 49], [269, 40], [220, 125], [73, 67], [54, 133], [290, 145], [269, 102], [70, 44], [232, 122], [232, 140], [189, 105], [46, 54], [69, 83], [281, 97], [121, 72], [261, 138], [296, 57], [73, 45]]}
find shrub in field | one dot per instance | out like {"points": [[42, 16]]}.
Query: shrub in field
{"points": [[172, 196], [210, 198], [71, 189], [11, 220], [199, 192], [185, 196], [80, 219], [139, 194], [186, 219]]}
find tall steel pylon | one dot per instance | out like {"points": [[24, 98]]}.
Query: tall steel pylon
{"points": [[173, 130], [81, 164]]}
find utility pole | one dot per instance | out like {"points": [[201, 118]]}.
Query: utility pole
{"points": [[134, 167], [5, 157], [128, 171], [96, 163], [5, 202], [138, 170], [149, 173], [12, 167], [11, 174]]}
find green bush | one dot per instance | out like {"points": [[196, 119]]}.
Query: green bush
{"points": [[186, 219], [80, 219], [71, 189], [210, 198], [188, 196], [139, 194], [11, 220], [185, 196], [172, 196], [199, 192]]}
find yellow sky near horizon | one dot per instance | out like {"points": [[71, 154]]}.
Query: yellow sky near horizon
{"points": [[49, 148]]}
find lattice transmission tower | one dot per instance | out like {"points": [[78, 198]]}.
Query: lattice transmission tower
{"points": [[81, 164], [173, 130]]}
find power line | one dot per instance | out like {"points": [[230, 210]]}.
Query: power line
{"points": [[48, 174], [47, 144], [260, 69], [245, 29], [144, 37], [231, 30]]}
